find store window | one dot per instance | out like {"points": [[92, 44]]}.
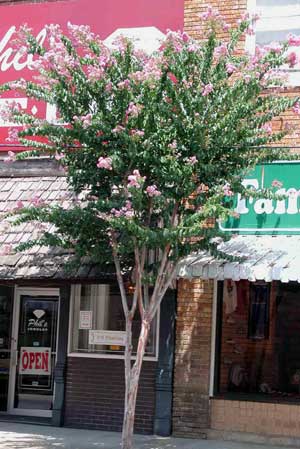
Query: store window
{"points": [[278, 19], [258, 341], [97, 324]]}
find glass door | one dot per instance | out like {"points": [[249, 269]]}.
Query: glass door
{"points": [[34, 354]]}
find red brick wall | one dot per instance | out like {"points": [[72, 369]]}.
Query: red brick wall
{"points": [[95, 395], [192, 358]]}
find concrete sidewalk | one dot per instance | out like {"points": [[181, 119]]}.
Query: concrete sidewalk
{"points": [[27, 436]]}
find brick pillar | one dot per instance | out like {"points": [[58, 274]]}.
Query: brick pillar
{"points": [[192, 358]]}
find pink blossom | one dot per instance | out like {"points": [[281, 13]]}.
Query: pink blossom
{"points": [[108, 87], [220, 51], [94, 73], [250, 31], [137, 132], [275, 47], [118, 129], [293, 40], [230, 68], [135, 180], [173, 145], [296, 108], [172, 78], [192, 47], [209, 14], [292, 59], [152, 191], [58, 156], [36, 201], [227, 190], [207, 89], [19, 84], [133, 110], [247, 78], [19, 205], [276, 183], [226, 27], [105, 162], [267, 128], [124, 84], [126, 211], [192, 160], [11, 157], [86, 120], [13, 135]]}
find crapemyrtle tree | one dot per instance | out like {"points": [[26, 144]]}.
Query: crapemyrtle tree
{"points": [[154, 145]]}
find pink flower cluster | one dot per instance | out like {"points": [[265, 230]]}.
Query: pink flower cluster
{"points": [[118, 129], [276, 183], [192, 160], [210, 14], [137, 132], [296, 108], [152, 191], [292, 59], [135, 180], [126, 211], [13, 135], [267, 128], [105, 162], [11, 157], [230, 68], [221, 51], [37, 201], [133, 109], [124, 84], [227, 190], [85, 120], [207, 89], [293, 40]]}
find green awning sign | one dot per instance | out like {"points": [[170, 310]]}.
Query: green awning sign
{"points": [[268, 216]]}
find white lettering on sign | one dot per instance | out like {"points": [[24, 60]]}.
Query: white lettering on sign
{"points": [[9, 58], [97, 337], [290, 205], [36, 361]]}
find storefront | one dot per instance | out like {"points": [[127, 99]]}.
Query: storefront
{"points": [[62, 331], [250, 383], [62, 328]]}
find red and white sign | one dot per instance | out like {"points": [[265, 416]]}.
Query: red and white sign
{"points": [[104, 17], [35, 361]]}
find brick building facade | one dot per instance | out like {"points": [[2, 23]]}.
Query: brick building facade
{"points": [[211, 343]]}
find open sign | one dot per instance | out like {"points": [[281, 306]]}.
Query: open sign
{"points": [[36, 361]]}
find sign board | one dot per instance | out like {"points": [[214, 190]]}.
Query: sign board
{"points": [[105, 18], [85, 319], [268, 216], [35, 361], [97, 337]]}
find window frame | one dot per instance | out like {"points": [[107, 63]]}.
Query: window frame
{"points": [[250, 43], [105, 356]]}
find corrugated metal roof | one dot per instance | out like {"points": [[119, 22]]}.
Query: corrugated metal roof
{"points": [[24, 182], [268, 258]]}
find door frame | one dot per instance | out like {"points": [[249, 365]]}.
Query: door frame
{"points": [[30, 291]]}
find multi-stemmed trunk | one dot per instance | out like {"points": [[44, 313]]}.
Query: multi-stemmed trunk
{"points": [[132, 376]]}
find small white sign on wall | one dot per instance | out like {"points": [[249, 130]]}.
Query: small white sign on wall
{"points": [[97, 337], [85, 319]]}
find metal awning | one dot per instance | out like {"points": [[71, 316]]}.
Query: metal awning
{"points": [[268, 258]]}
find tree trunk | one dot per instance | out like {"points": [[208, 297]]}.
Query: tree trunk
{"points": [[131, 387]]}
